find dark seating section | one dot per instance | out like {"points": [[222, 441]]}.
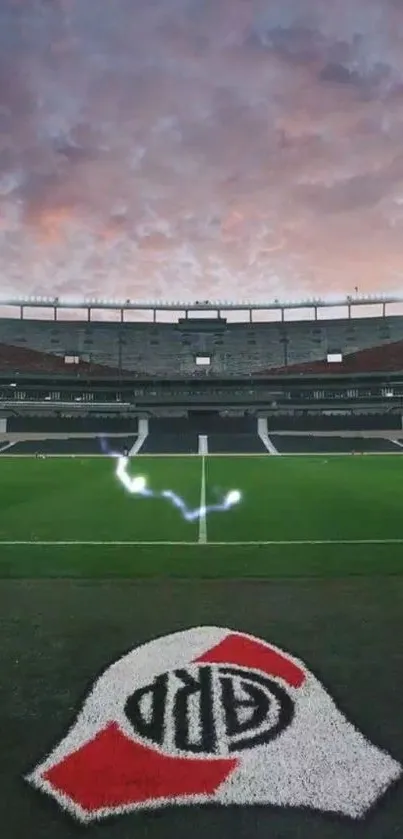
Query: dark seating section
{"points": [[294, 444], [186, 443], [204, 423], [70, 446], [236, 444], [72, 425], [224, 434], [342, 422]]}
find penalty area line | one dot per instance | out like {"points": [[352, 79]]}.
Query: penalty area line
{"points": [[129, 544]]}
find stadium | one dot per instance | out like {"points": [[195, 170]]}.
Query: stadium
{"points": [[201, 419], [158, 476]]}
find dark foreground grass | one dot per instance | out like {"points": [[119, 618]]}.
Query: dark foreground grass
{"points": [[57, 636], [69, 610], [201, 561]]}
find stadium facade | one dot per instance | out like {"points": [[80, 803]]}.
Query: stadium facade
{"points": [[322, 374]]}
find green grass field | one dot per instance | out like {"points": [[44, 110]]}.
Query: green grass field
{"points": [[298, 516]]}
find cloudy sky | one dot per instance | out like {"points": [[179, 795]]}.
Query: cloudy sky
{"points": [[189, 149]]}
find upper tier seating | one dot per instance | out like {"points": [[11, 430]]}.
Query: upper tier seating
{"points": [[388, 357], [19, 359], [169, 350]]}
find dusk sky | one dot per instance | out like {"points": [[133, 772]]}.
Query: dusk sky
{"points": [[192, 149]]}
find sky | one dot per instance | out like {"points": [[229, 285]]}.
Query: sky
{"points": [[201, 149]]}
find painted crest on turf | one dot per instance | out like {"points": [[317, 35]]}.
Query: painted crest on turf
{"points": [[212, 715]]}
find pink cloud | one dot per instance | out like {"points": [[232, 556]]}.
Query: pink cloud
{"points": [[186, 149]]}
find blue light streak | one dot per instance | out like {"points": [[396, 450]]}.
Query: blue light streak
{"points": [[137, 485]]}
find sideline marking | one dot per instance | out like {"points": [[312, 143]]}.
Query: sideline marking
{"points": [[226, 455], [100, 543]]}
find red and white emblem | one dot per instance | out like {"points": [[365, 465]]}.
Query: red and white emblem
{"points": [[212, 715]]}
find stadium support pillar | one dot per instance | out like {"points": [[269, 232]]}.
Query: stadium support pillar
{"points": [[122, 315], [22, 312], [203, 444], [154, 316], [89, 315], [263, 433], [250, 315], [282, 315], [384, 310], [55, 313], [143, 433]]}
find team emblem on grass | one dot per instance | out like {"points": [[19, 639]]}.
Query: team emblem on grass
{"points": [[212, 715]]}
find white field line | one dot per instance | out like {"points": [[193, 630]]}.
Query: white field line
{"points": [[203, 451], [273, 542], [216, 454], [203, 513]]}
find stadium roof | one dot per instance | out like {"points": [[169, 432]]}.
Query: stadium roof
{"points": [[201, 305]]}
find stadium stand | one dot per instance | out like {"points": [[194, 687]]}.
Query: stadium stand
{"points": [[24, 359], [375, 359], [72, 425], [69, 446], [165, 350], [265, 380], [236, 444], [322, 422], [295, 444], [236, 435], [174, 443], [204, 423]]}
